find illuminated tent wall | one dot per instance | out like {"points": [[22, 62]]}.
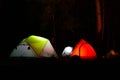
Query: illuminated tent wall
{"points": [[84, 50], [67, 51], [34, 46]]}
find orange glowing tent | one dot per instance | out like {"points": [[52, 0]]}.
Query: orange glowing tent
{"points": [[84, 50]]}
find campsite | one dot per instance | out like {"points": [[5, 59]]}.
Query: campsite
{"points": [[35, 32]]}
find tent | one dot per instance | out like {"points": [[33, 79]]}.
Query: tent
{"points": [[67, 51], [84, 50], [111, 54], [34, 46]]}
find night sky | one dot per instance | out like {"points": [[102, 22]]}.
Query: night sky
{"points": [[65, 21]]}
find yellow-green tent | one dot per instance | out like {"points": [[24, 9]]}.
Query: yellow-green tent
{"points": [[34, 46]]}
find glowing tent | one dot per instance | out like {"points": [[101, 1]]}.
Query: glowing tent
{"points": [[111, 54], [34, 46], [84, 50], [67, 51]]}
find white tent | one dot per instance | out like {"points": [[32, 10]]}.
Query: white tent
{"points": [[34, 46], [67, 51]]}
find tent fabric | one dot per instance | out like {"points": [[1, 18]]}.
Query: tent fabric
{"points": [[22, 50], [48, 51], [67, 51], [37, 43], [34, 46], [84, 50]]}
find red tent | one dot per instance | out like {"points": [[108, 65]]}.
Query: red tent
{"points": [[84, 50]]}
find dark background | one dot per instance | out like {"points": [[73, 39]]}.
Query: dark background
{"points": [[64, 21]]}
